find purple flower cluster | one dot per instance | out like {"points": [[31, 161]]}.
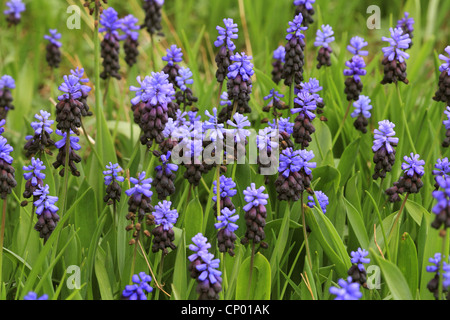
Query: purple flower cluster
{"points": [[203, 268], [322, 201], [139, 288]]}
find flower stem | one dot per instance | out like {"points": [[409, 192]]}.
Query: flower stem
{"points": [[29, 230], [398, 217], [408, 133], [252, 259], [341, 126], [305, 235]]}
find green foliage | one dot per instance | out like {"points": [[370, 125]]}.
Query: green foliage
{"points": [[91, 235]]}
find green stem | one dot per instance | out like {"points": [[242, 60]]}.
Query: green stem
{"points": [[393, 230], [341, 126], [29, 230], [2, 236], [152, 52], [252, 259], [305, 235]]}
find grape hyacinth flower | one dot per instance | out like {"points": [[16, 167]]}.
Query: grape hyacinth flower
{"points": [[140, 204], [227, 191], [34, 177], [267, 142], [53, 55], [383, 148], [69, 109], [361, 113], [293, 66], [279, 56], [163, 234], [446, 142], [306, 9], [349, 290], [111, 180], [255, 215], [200, 247], [353, 84], [433, 284], [235, 138], [33, 296], [84, 89], [7, 178], [394, 61], [285, 129], [442, 169], [6, 84], [357, 271], [185, 96], [2, 123], [407, 25], [152, 22], [139, 288], [226, 47], [130, 38], [275, 103], [322, 201], [40, 141], [209, 281], [110, 46], [239, 86], [46, 210], [304, 104], [356, 45], [312, 87], [173, 57], [62, 152], [164, 176], [13, 13], [442, 207], [227, 226], [443, 92], [323, 39], [289, 184], [150, 106], [411, 181]]}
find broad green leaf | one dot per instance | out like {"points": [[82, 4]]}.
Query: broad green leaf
{"points": [[407, 262], [394, 278], [324, 232], [348, 160], [259, 288], [179, 282], [357, 223], [102, 276], [193, 219]]}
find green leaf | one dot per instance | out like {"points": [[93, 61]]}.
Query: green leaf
{"points": [[347, 161], [407, 262], [394, 278], [193, 219], [416, 211], [86, 217], [357, 223], [102, 276], [259, 289], [324, 231], [179, 283]]}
